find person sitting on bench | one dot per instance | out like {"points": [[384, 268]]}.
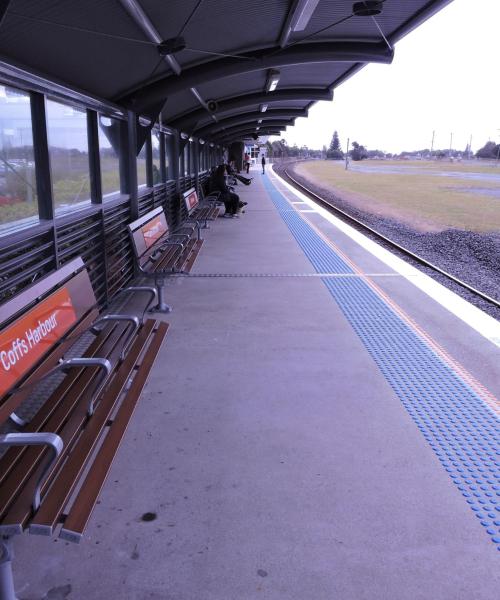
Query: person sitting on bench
{"points": [[230, 199]]}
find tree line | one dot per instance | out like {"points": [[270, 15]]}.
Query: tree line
{"points": [[280, 149]]}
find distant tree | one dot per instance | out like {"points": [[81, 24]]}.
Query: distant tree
{"points": [[334, 152], [376, 154], [280, 148], [358, 152], [489, 150]]}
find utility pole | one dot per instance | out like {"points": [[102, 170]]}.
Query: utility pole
{"points": [[347, 156], [470, 146], [498, 149], [432, 143], [451, 142]]}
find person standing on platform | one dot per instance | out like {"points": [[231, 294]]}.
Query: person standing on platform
{"points": [[263, 161], [247, 161]]}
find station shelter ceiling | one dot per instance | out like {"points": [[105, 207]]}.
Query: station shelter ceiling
{"points": [[213, 68]]}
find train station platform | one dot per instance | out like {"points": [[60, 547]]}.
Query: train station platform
{"points": [[316, 427]]}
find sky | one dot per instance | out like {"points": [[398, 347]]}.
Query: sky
{"points": [[445, 77]]}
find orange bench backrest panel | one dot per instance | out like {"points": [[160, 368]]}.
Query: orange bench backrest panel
{"points": [[191, 199], [147, 230], [33, 322], [29, 338]]}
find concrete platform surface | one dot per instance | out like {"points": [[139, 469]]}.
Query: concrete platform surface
{"points": [[274, 450]]}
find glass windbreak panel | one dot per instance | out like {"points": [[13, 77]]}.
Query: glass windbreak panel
{"points": [[69, 155], [186, 159], [169, 155], [109, 148], [141, 167], [18, 201], [155, 142], [192, 150]]}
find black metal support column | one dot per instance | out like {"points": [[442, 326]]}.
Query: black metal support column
{"points": [[163, 169], [42, 165], [196, 162], [149, 161], [177, 161], [96, 186], [128, 162], [94, 157]]}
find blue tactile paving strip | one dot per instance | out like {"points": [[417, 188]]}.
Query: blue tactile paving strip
{"points": [[461, 429]]}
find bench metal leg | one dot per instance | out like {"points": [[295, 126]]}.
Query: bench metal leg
{"points": [[162, 306], [6, 578]]}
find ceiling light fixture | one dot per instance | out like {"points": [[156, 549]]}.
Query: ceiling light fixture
{"points": [[259, 121], [263, 107], [273, 78]]}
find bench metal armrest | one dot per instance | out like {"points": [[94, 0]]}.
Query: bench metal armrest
{"points": [[168, 243], [133, 322], [143, 288], [52, 440], [197, 225], [65, 365], [181, 235], [185, 226]]}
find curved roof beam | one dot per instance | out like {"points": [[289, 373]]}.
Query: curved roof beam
{"points": [[312, 52], [249, 117], [191, 118], [246, 133], [250, 126]]}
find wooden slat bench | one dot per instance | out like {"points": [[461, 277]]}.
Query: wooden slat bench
{"points": [[160, 253], [198, 212], [55, 465]]}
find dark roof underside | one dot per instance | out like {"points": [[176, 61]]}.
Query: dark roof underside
{"points": [[108, 48]]}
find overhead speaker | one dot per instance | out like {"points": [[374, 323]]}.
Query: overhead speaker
{"points": [[212, 106], [369, 8], [255, 136]]}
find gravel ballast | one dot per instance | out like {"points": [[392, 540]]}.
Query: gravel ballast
{"points": [[469, 256]]}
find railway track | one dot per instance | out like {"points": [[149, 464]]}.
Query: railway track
{"points": [[367, 229]]}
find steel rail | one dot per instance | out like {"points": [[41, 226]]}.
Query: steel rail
{"points": [[387, 240]]}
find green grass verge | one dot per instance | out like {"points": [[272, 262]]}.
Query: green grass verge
{"points": [[423, 200]]}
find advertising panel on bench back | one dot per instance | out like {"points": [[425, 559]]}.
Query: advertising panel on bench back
{"points": [[30, 337], [190, 199], [153, 230]]}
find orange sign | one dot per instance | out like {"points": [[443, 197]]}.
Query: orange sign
{"points": [[153, 230], [191, 200], [31, 336]]}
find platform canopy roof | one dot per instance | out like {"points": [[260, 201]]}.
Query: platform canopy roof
{"points": [[212, 68]]}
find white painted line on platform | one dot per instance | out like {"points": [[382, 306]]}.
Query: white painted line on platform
{"points": [[478, 320]]}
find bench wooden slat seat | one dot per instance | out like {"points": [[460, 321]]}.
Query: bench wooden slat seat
{"points": [[160, 253], [200, 212], [54, 468]]}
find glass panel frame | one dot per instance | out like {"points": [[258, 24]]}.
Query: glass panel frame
{"points": [[19, 205], [67, 135]]}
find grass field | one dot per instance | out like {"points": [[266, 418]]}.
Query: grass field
{"points": [[425, 199]]}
